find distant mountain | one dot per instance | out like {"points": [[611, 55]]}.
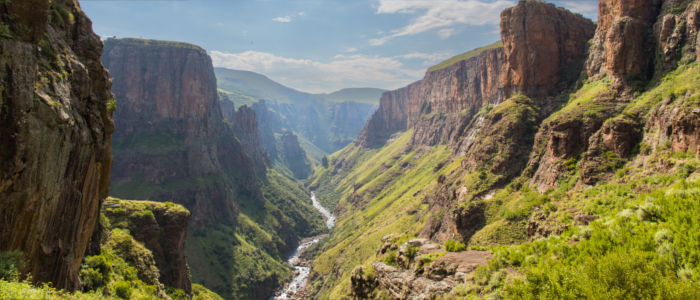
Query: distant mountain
{"points": [[324, 123], [259, 86], [360, 95]]}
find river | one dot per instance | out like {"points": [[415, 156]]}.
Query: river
{"points": [[302, 267]]}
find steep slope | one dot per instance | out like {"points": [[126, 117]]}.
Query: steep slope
{"points": [[312, 117], [172, 144], [55, 136], [582, 182]]}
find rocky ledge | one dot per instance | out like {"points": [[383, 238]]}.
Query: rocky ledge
{"points": [[417, 269]]}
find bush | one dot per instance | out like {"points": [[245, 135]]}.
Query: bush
{"points": [[123, 289], [10, 262], [454, 246], [91, 279]]}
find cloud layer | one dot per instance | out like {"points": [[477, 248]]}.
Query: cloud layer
{"points": [[342, 71], [440, 15]]}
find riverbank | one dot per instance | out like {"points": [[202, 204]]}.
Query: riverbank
{"points": [[302, 265]]}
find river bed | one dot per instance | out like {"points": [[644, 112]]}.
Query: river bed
{"points": [[302, 267]]}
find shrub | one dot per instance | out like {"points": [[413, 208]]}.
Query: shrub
{"points": [[10, 262], [123, 289], [454, 246], [390, 258], [91, 279], [112, 104]]}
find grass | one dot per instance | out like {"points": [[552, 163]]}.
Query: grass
{"points": [[455, 59], [390, 198]]}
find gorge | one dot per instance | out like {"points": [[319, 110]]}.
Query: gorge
{"points": [[562, 162]]}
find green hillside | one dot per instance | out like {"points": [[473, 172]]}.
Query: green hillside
{"points": [[469, 54]]}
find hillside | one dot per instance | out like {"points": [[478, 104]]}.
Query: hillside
{"points": [[359, 95], [577, 178]]}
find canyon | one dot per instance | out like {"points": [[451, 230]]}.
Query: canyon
{"points": [[560, 162]]}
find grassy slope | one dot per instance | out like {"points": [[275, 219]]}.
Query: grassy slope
{"points": [[359, 95], [392, 206], [452, 60], [249, 254], [643, 244]]}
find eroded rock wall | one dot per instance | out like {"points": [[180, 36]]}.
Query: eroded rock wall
{"points": [[55, 136]]}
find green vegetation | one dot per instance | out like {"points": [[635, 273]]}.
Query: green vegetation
{"points": [[454, 246], [635, 234], [359, 95], [455, 59], [112, 104]]}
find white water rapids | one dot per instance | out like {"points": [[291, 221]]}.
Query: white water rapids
{"points": [[301, 267]]}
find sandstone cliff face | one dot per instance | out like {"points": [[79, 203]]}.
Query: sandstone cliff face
{"points": [[55, 136], [465, 86], [162, 231], [245, 126], [542, 45], [170, 130], [295, 156]]}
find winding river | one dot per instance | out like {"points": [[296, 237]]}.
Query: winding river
{"points": [[302, 267]]}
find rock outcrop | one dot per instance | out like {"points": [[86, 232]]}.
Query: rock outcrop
{"points": [[162, 228], [420, 270], [170, 130], [464, 86], [622, 46], [294, 155], [545, 47], [245, 127], [55, 136]]}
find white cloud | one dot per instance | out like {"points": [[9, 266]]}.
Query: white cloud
{"points": [[301, 13], [440, 14], [350, 50], [285, 19], [428, 58], [445, 33], [351, 70]]}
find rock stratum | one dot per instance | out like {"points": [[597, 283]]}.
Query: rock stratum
{"points": [[55, 136]]}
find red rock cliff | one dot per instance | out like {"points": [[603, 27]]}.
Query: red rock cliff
{"points": [[543, 45], [55, 136], [466, 85], [170, 129]]}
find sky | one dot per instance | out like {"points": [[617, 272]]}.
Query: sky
{"points": [[317, 45]]}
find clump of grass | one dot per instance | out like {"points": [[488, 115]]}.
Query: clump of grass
{"points": [[454, 246]]}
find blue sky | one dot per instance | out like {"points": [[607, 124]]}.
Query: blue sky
{"points": [[317, 45]]}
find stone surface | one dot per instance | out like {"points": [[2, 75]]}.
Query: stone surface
{"points": [[164, 235], [294, 155], [414, 276], [465, 87], [621, 46], [170, 129], [55, 136], [544, 46]]}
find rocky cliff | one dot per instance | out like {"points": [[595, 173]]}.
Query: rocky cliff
{"points": [[55, 136], [162, 228], [294, 156], [173, 144], [170, 129], [245, 127], [543, 45], [462, 87]]}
